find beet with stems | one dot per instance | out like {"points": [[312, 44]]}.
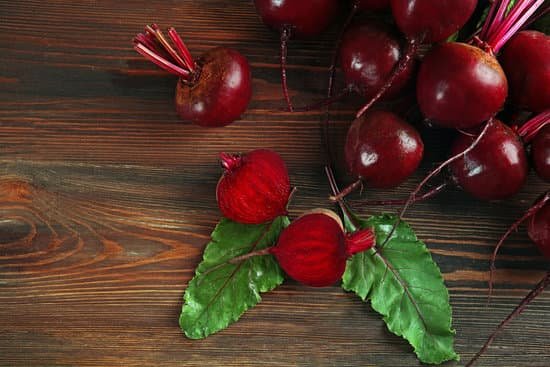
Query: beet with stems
{"points": [[460, 85], [213, 90], [526, 62], [431, 21], [496, 168], [254, 188], [421, 21], [314, 248], [303, 18], [381, 150], [368, 54]]}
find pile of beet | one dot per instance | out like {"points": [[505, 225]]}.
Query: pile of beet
{"points": [[488, 80]]}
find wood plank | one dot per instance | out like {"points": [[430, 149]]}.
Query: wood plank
{"points": [[107, 200]]}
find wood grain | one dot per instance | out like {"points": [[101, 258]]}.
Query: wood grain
{"points": [[107, 200]]}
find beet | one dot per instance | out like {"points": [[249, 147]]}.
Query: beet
{"points": [[313, 249], [255, 187], [212, 91], [540, 153], [430, 20], [382, 149], [526, 62], [495, 168], [221, 92], [369, 52], [305, 18], [460, 86]]}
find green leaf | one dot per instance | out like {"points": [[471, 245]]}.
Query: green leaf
{"points": [[404, 284], [221, 292]]}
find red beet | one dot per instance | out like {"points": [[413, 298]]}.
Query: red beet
{"points": [[313, 249], [539, 229], [495, 168], [213, 91], [433, 21], [369, 52], [255, 187], [526, 62], [460, 86], [372, 5], [421, 21], [540, 152], [303, 18], [382, 149]]}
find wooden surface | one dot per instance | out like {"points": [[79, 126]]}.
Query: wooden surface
{"points": [[106, 202]]}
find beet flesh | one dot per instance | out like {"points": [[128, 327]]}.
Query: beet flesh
{"points": [[255, 187]]}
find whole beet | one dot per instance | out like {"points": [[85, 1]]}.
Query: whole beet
{"points": [[433, 21], [382, 149], [525, 60], [460, 86], [369, 52], [495, 168]]}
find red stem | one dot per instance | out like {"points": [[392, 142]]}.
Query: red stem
{"points": [[515, 22], [530, 129], [539, 288], [529, 213], [501, 24], [285, 36], [155, 47], [325, 127], [427, 195], [230, 161], [436, 171], [164, 42], [345, 192], [182, 48], [404, 62], [160, 61]]}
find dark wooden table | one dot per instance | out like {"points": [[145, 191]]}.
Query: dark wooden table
{"points": [[107, 200]]}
